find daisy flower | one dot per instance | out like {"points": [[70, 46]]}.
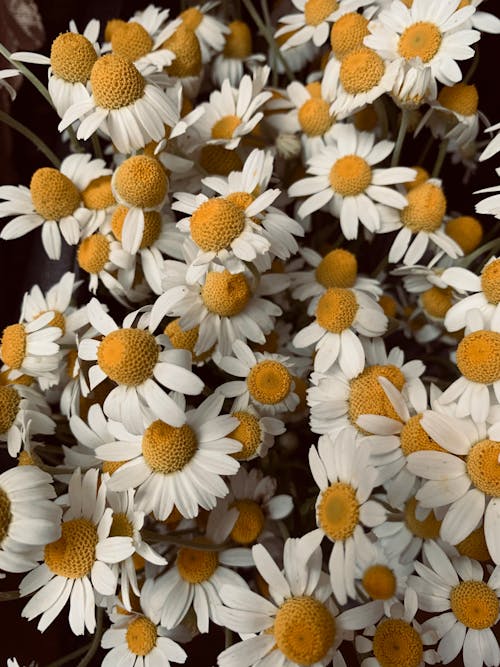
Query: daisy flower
{"points": [[210, 31], [484, 21], [236, 54], [467, 486], [343, 178], [132, 357], [20, 404], [470, 605], [99, 200], [343, 507], [53, 202], [256, 433], [103, 258], [29, 519], [175, 461], [78, 562]]}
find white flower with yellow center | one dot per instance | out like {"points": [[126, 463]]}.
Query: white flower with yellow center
{"points": [[19, 405], [210, 31], [296, 57], [425, 42], [53, 202], [236, 54], [104, 259], [256, 433], [464, 476], [177, 461], [343, 177], [133, 358], [28, 518], [77, 563], [458, 586], [346, 480], [99, 200]]}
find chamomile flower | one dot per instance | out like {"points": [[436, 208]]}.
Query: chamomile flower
{"points": [[132, 358], [209, 30], [104, 259], [19, 405], [99, 200], [53, 202], [236, 54], [344, 179], [256, 433], [484, 21]]}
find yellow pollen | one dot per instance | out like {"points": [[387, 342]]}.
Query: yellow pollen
{"points": [[111, 466], [338, 511], [490, 281], [460, 98], [115, 82], [366, 119], [478, 356], [367, 397], [466, 231], [397, 644], [348, 33], [141, 181], [420, 40], [361, 71], [218, 160], [111, 26], [224, 128], [350, 176], [191, 17], [314, 117], [248, 433], [72, 57], [152, 225], [98, 194], [216, 224], [5, 515], [415, 439], [426, 208], [93, 253], [57, 321], [53, 194], [436, 301], [239, 41], [9, 407], [269, 382], [225, 294], [73, 554], [474, 546], [388, 305], [131, 41], [304, 629], [240, 199], [182, 339], [379, 582], [474, 604], [317, 11], [13, 348], [336, 309], [141, 636], [422, 176], [427, 529], [128, 356], [167, 449], [186, 47], [25, 459], [483, 467], [121, 526], [339, 268], [25, 380], [195, 565], [249, 523]]}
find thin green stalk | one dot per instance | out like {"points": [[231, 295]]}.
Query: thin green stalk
{"points": [[472, 69], [26, 132], [151, 536], [8, 595], [228, 638], [71, 656], [493, 245], [425, 152], [273, 59], [403, 127], [440, 158], [27, 73], [96, 641], [96, 145]]}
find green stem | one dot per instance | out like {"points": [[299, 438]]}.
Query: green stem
{"points": [[31, 136], [440, 158], [96, 641], [273, 61], [472, 69], [228, 637], [425, 152], [494, 245], [96, 145], [403, 127], [27, 73], [71, 656], [151, 536], [9, 595]]}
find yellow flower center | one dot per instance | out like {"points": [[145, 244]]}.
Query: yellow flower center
{"points": [[115, 82], [111, 466], [338, 511], [152, 225], [13, 348], [141, 181], [367, 397], [460, 98], [347, 34], [186, 47], [422, 176], [397, 644], [9, 407], [98, 194], [339, 268], [219, 160], [478, 356], [128, 356], [5, 515], [248, 433], [388, 305], [25, 380], [474, 604], [426, 208], [195, 565], [93, 253], [483, 467], [224, 128], [25, 459], [379, 582], [240, 199], [73, 554], [182, 339], [466, 231], [427, 529], [361, 71], [239, 41], [436, 301], [53, 194], [167, 449], [121, 526], [225, 294], [490, 281], [72, 57], [111, 26], [249, 523], [131, 41], [269, 382], [336, 309], [474, 546], [420, 40], [216, 224], [141, 636], [366, 119], [191, 17], [57, 321], [350, 176], [314, 117], [317, 11], [415, 439], [304, 629]]}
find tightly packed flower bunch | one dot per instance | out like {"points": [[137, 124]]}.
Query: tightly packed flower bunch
{"points": [[275, 418]]}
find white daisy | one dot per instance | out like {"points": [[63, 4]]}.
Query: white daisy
{"points": [[99, 200], [20, 404], [236, 54], [209, 30], [104, 259], [256, 433]]}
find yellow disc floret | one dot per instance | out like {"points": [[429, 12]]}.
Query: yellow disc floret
{"points": [[5, 515], [186, 47], [116, 82], [474, 604], [224, 128], [304, 630], [216, 224], [247, 432], [141, 181], [361, 71], [466, 231], [128, 356], [9, 407], [225, 294], [141, 636], [93, 253], [131, 41], [379, 582], [350, 175], [98, 194], [314, 117], [339, 268], [426, 208], [460, 98], [250, 521], [53, 194], [239, 41], [73, 554], [422, 176], [478, 356], [219, 160], [436, 301], [415, 439], [425, 529], [490, 281], [338, 511], [195, 565], [111, 466], [121, 526], [191, 17], [483, 467], [348, 33], [397, 644], [182, 339], [167, 449], [336, 309], [367, 396], [152, 225], [474, 546], [269, 382], [420, 40], [13, 348], [72, 57], [317, 11], [366, 119]]}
